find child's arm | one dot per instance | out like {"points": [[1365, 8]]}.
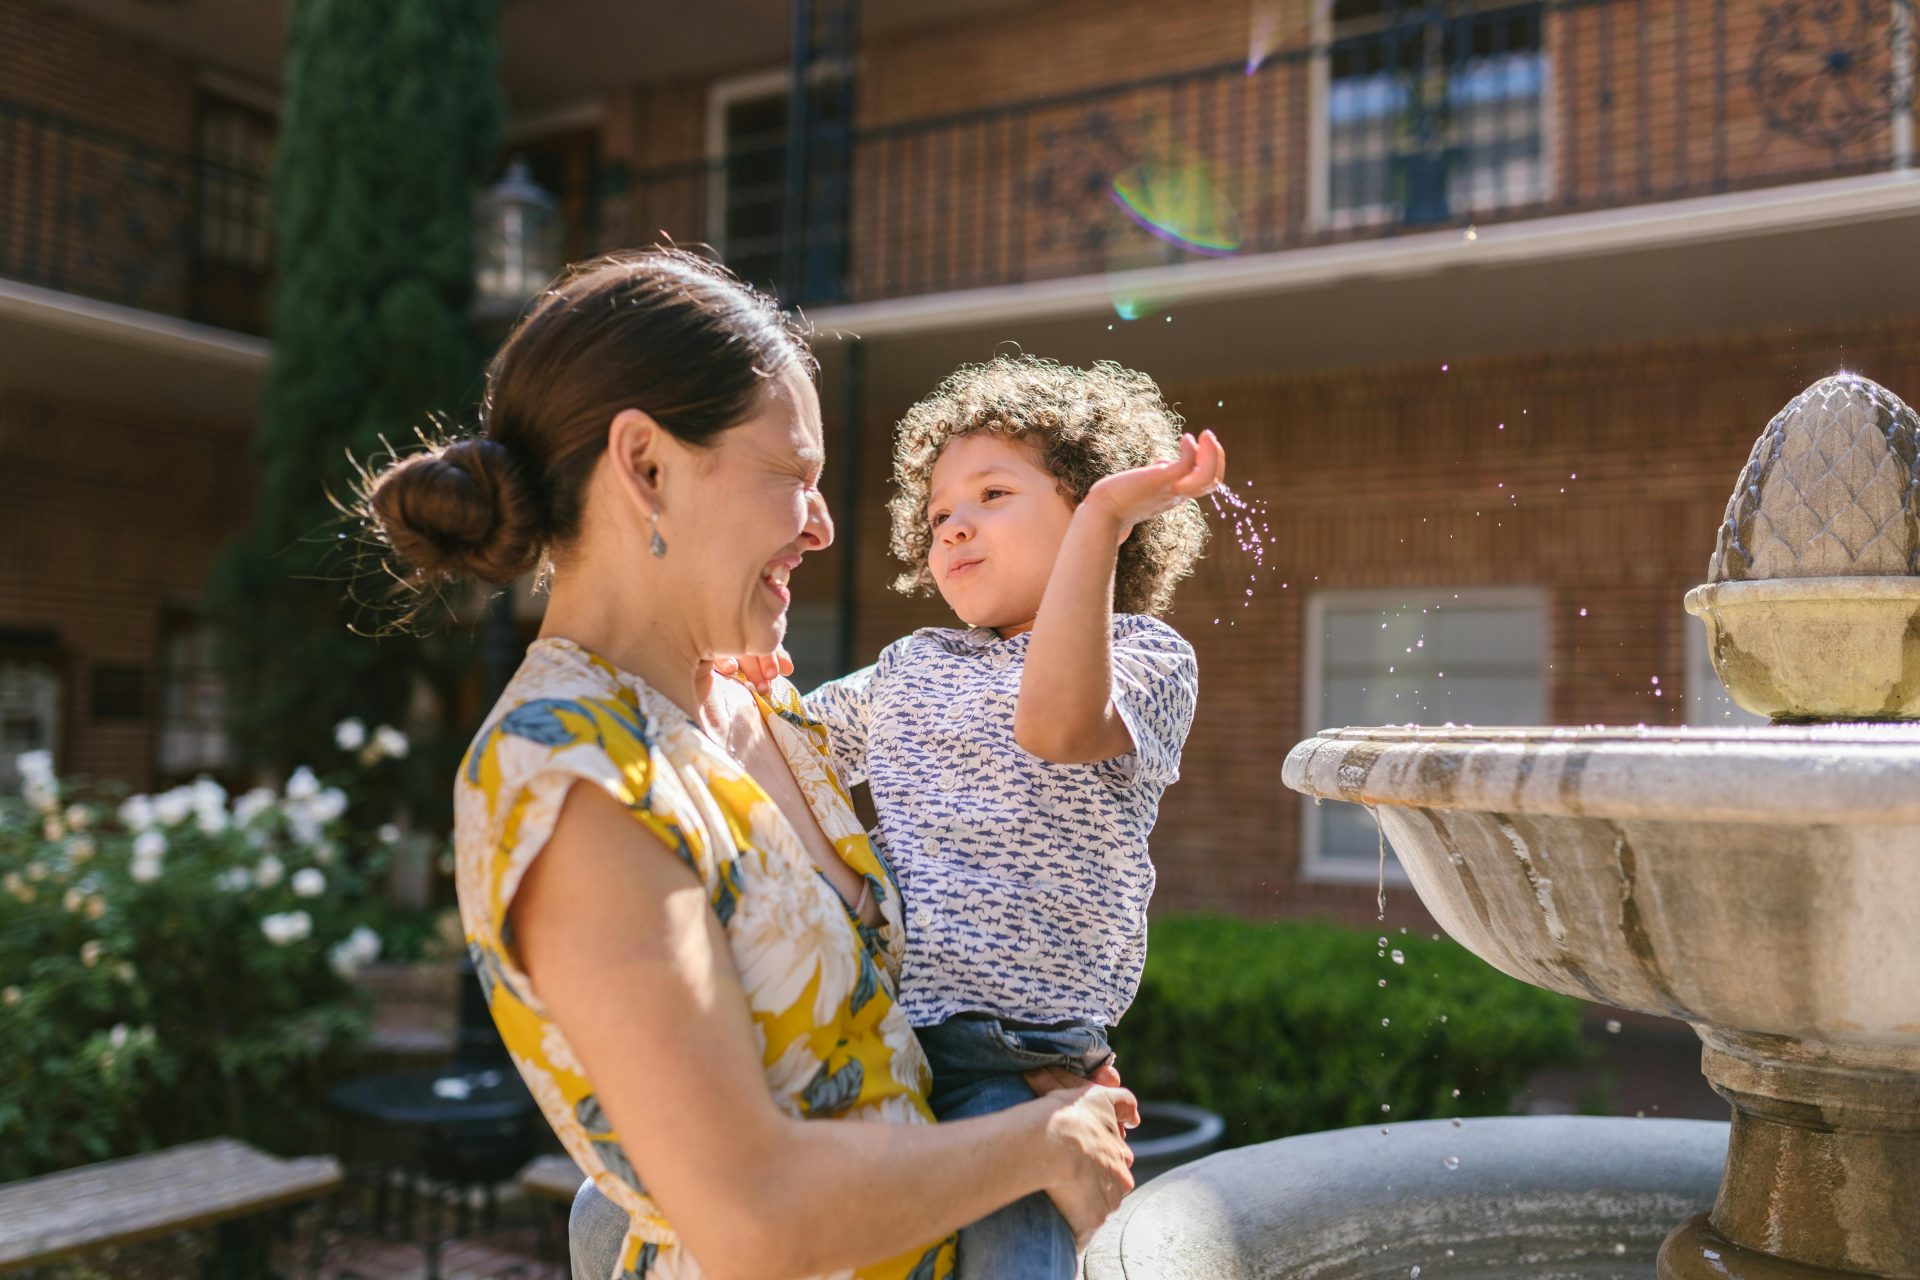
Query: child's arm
{"points": [[1066, 712], [845, 707]]}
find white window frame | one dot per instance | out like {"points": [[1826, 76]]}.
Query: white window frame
{"points": [[1320, 216], [1314, 865]]}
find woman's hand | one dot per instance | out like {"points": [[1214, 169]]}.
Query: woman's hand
{"points": [[1086, 1136], [758, 670], [1131, 497], [1048, 1080]]}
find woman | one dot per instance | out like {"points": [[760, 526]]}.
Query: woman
{"points": [[688, 973]]}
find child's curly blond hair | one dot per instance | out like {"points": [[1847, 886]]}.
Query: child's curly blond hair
{"points": [[1086, 423]]}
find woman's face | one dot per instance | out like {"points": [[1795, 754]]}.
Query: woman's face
{"points": [[748, 510]]}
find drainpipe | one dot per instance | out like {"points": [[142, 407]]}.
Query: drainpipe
{"points": [[852, 412]]}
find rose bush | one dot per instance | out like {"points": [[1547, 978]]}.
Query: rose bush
{"points": [[178, 965]]}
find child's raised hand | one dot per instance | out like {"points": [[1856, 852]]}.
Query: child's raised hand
{"points": [[1144, 492], [758, 670]]}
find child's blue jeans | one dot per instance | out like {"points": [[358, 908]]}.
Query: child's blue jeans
{"points": [[978, 1062]]}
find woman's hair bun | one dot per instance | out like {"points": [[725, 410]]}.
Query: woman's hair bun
{"points": [[463, 510]]}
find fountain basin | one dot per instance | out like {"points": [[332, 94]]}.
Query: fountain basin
{"points": [[1539, 1198], [1762, 884]]}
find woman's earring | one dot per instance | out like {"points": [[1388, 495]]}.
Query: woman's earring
{"points": [[659, 544]]}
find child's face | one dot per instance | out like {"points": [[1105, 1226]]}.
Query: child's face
{"points": [[998, 517]]}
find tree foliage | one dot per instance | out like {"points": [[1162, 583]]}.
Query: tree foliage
{"points": [[392, 122]]}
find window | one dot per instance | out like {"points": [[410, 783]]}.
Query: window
{"points": [[31, 695], [1434, 111], [235, 153], [747, 139], [193, 698], [1419, 655], [1708, 705]]}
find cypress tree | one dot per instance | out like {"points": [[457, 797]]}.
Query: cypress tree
{"points": [[392, 121]]}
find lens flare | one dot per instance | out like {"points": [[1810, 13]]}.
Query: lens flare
{"points": [[1176, 201]]}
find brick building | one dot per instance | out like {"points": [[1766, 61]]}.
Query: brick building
{"points": [[1487, 301]]}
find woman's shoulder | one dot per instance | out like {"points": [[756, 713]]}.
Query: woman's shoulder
{"points": [[564, 706]]}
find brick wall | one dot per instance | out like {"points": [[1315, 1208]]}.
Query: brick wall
{"points": [[97, 547], [1392, 477]]}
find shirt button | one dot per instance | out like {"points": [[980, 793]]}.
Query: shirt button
{"points": [[999, 659], [948, 782], [931, 847]]}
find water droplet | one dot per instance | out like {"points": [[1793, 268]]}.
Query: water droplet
{"points": [[1456, 1122], [1619, 1248], [1449, 1253], [1583, 613], [1383, 982], [1443, 1017], [1385, 1107], [1613, 1026], [1415, 1273], [1384, 1131], [1456, 1093], [1399, 957], [1452, 1163], [1386, 1022]]}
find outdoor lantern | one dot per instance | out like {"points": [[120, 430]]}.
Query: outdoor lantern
{"points": [[516, 244]]}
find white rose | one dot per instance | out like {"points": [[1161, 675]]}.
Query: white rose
{"points": [[301, 824], [96, 906], [80, 849], [349, 735], [365, 943], [267, 872], [35, 767], [171, 808], [90, 954], [52, 828], [211, 821], [329, 805], [149, 844], [74, 900], [308, 883], [78, 816], [118, 1036], [252, 805], [302, 785], [235, 880], [389, 741], [326, 853], [144, 870], [286, 927], [12, 996], [136, 813], [389, 833], [208, 794]]}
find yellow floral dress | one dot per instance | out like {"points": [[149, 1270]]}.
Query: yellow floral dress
{"points": [[821, 986]]}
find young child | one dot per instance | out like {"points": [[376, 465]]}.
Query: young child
{"points": [[1017, 765]]}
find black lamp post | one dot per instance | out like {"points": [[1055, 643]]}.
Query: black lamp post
{"points": [[516, 250]]}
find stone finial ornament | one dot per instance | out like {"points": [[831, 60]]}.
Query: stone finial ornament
{"points": [[1812, 604]]}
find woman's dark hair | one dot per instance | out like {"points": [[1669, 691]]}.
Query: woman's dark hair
{"points": [[660, 330]]}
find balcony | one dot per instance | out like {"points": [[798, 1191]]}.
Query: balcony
{"points": [[89, 212], [1381, 120]]}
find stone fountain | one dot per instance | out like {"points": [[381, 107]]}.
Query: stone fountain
{"points": [[1763, 884]]}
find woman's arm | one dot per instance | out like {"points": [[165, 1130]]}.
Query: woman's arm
{"points": [[620, 943]]}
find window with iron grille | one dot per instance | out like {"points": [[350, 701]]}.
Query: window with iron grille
{"points": [[193, 698], [1434, 111], [752, 190], [32, 700], [233, 245]]}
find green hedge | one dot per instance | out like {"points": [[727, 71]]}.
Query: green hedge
{"points": [[1285, 1028]]}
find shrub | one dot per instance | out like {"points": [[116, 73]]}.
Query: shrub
{"points": [[176, 966], [1286, 1028]]}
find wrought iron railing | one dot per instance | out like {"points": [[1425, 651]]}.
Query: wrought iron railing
{"points": [[96, 213], [1392, 116]]}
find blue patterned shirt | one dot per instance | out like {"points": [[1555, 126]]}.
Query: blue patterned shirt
{"points": [[1026, 882]]}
